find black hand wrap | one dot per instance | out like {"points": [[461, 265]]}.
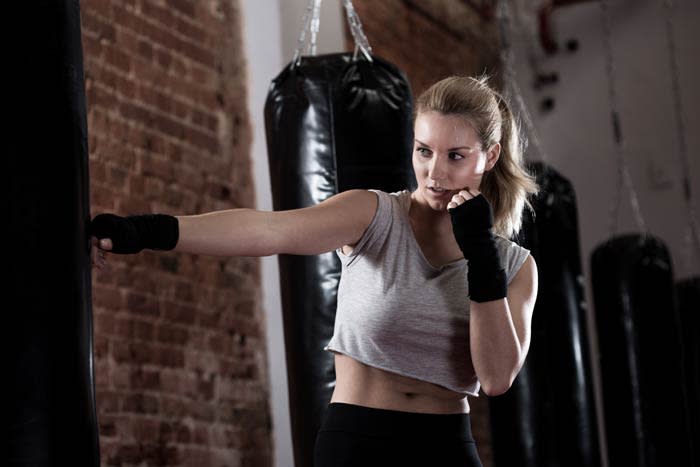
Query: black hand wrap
{"points": [[134, 233], [471, 223]]}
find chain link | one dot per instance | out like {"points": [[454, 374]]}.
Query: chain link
{"points": [[310, 23], [623, 176], [358, 34], [512, 90], [306, 45], [693, 232]]}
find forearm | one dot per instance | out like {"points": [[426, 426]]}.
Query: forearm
{"points": [[494, 344], [232, 232]]}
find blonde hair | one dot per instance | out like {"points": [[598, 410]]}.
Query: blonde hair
{"points": [[507, 185]]}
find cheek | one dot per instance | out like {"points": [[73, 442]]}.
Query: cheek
{"points": [[418, 167]]}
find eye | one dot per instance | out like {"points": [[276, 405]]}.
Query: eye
{"points": [[458, 156], [423, 151]]}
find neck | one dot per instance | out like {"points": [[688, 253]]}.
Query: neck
{"points": [[428, 218]]}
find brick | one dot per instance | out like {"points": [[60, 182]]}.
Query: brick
{"points": [[101, 346], [97, 25], [183, 314], [108, 402], [140, 403], [107, 426], [107, 297], [157, 166], [173, 407], [118, 59], [203, 411], [185, 7], [158, 14], [169, 334], [144, 379], [164, 57], [127, 454], [171, 357], [121, 376], [142, 304]]}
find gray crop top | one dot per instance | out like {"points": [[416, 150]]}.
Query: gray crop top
{"points": [[399, 313]]}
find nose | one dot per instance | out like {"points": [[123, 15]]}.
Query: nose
{"points": [[438, 169]]}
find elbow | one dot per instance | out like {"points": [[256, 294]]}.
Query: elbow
{"points": [[497, 386], [492, 389], [497, 382]]}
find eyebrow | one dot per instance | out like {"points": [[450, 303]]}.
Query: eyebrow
{"points": [[451, 149]]}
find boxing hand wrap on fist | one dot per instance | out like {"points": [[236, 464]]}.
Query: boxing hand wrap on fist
{"points": [[134, 233], [472, 222]]}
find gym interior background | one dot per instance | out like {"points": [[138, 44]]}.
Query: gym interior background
{"points": [[189, 353]]}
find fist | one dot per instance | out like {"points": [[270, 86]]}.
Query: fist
{"points": [[462, 197], [98, 249]]}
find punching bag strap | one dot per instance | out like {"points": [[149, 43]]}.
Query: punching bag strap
{"points": [[306, 45]]}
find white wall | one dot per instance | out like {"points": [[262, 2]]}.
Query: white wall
{"points": [[271, 29], [577, 135]]}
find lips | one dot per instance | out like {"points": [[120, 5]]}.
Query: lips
{"points": [[438, 194]]}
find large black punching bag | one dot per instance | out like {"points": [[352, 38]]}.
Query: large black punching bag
{"points": [[640, 353], [334, 122], [688, 297], [547, 417], [48, 409]]}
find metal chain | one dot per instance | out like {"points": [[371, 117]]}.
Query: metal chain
{"points": [[623, 175], [693, 230], [311, 24], [510, 77], [358, 34]]}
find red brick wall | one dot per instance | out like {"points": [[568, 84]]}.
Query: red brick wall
{"points": [[429, 40], [180, 353]]}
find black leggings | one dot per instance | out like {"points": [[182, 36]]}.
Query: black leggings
{"points": [[354, 435]]}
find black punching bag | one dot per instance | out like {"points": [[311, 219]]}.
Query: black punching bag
{"points": [[48, 408], [640, 353], [688, 295], [547, 417], [333, 123]]}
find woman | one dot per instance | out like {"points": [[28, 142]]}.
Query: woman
{"points": [[434, 300]]}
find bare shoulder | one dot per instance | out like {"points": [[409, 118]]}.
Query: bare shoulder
{"points": [[523, 288], [527, 273], [362, 202]]}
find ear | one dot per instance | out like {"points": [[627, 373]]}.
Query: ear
{"points": [[492, 156]]}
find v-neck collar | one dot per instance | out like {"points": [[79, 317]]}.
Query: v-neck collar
{"points": [[414, 240]]}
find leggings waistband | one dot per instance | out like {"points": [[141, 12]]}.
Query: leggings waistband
{"points": [[341, 416]]}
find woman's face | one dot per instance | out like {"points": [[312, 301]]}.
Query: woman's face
{"points": [[447, 155]]}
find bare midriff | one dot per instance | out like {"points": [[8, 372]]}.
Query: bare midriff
{"points": [[360, 384]]}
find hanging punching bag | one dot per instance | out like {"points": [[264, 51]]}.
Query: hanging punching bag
{"points": [[334, 122], [688, 296], [48, 408], [640, 353], [547, 417]]}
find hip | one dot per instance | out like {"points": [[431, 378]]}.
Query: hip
{"points": [[356, 435]]}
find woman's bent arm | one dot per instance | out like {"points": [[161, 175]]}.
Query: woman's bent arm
{"points": [[339, 220], [500, 331]]}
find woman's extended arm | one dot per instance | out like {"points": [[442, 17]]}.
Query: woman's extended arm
{"points": [[500, 331], [339, 220]]}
